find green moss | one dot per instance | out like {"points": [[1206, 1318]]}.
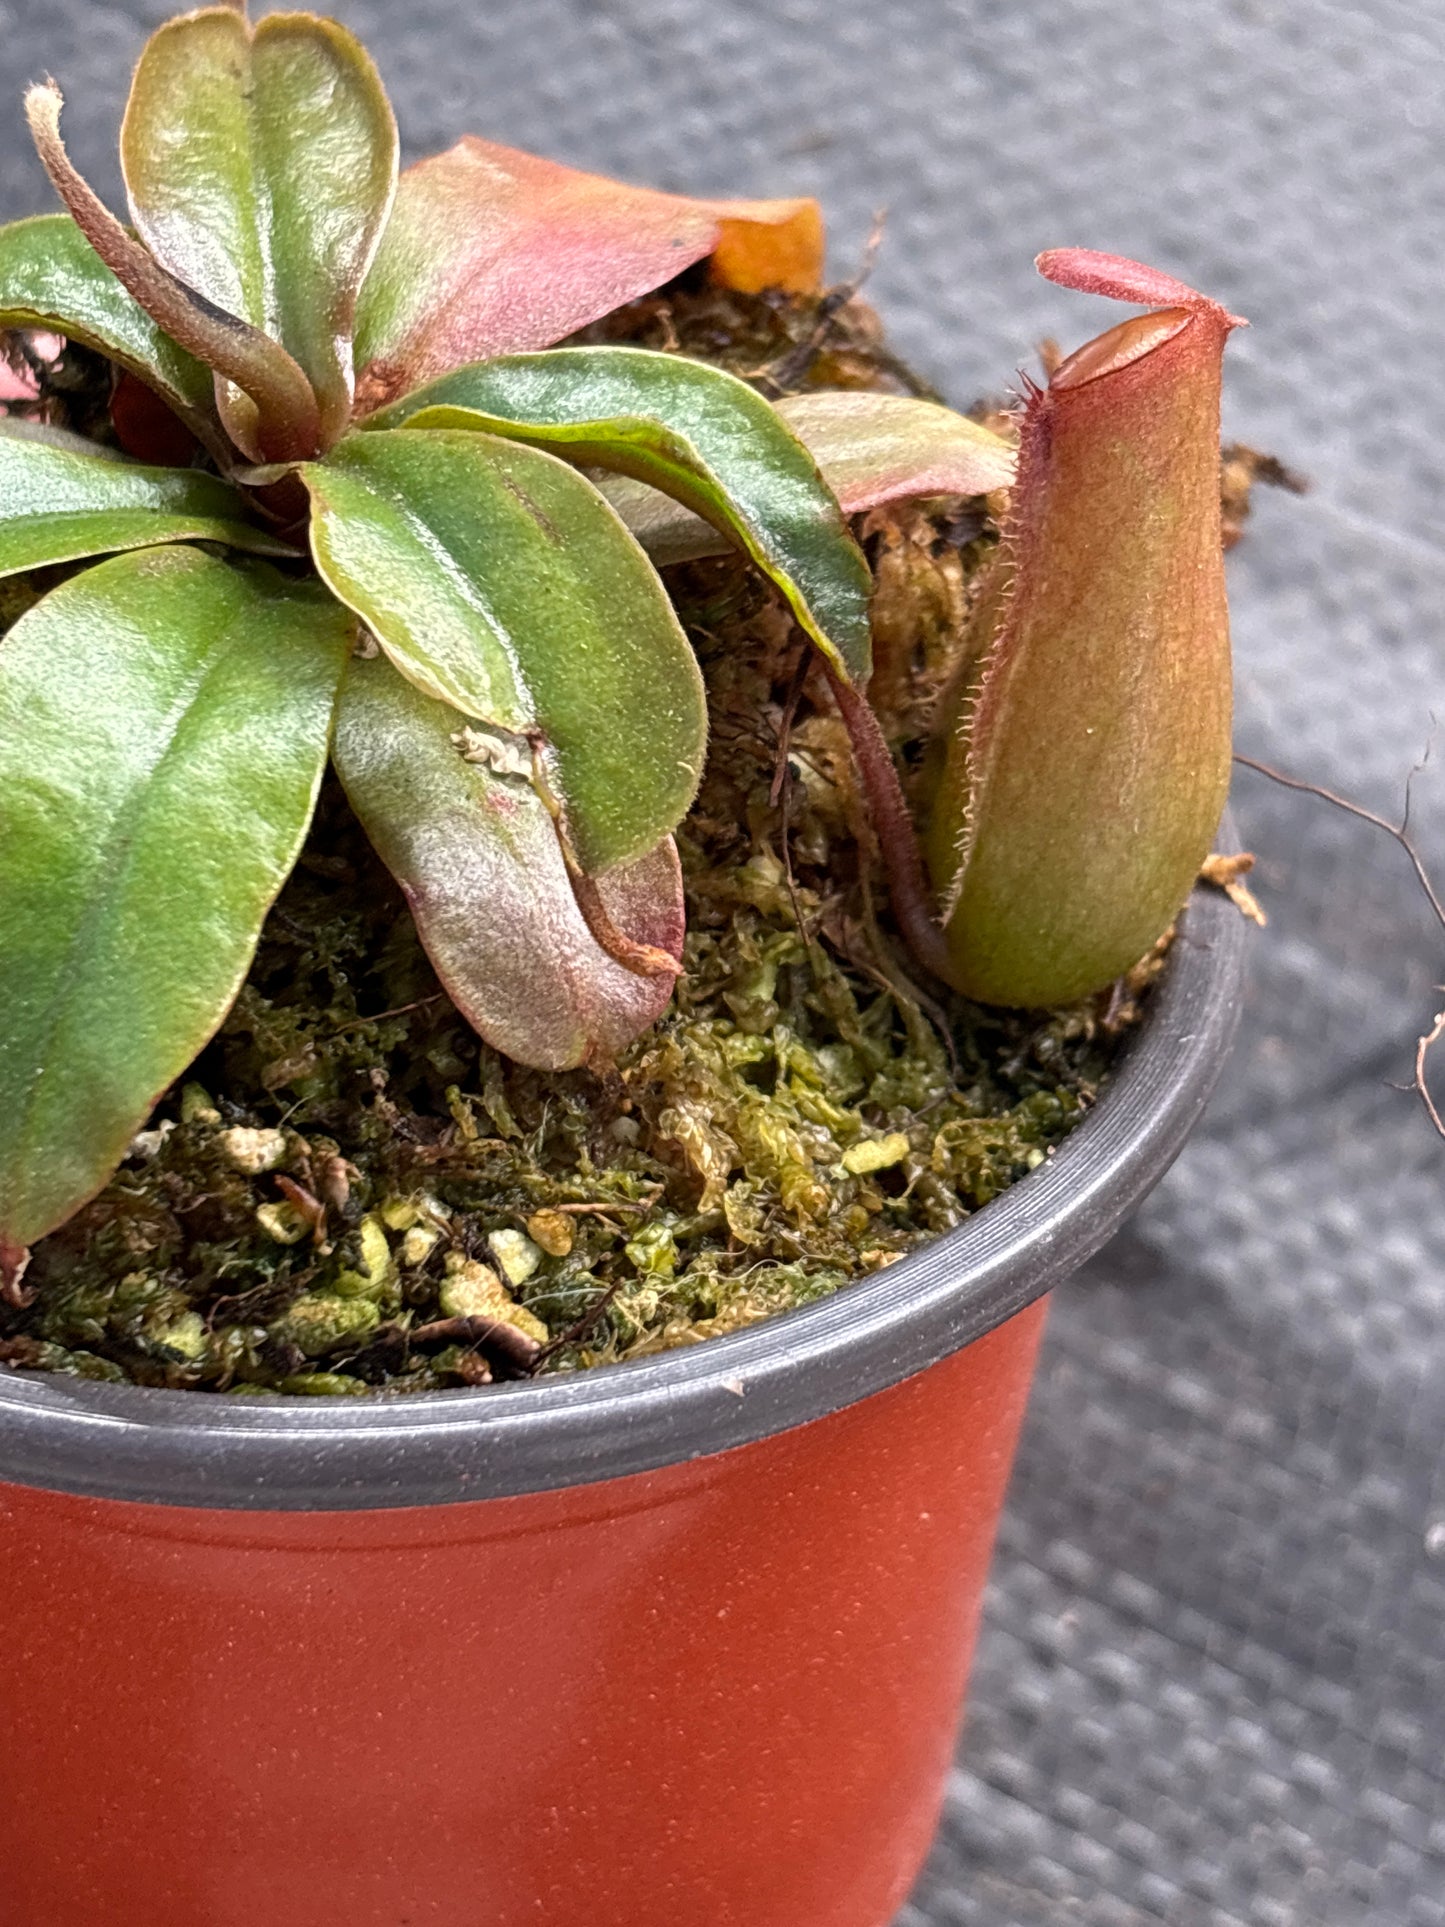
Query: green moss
{"points": [[318, 1207]]}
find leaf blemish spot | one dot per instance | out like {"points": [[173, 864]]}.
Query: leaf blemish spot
{"points": [[489, 749]]}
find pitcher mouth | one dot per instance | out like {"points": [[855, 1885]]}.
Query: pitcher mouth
{"points": [[1120, 348], [179, 1448]]}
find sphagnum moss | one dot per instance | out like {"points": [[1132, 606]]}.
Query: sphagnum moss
{"points": [[348, 1192], [371, 512]]}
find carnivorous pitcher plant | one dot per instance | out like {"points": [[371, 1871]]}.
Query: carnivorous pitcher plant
{"points": [[354, 503]]}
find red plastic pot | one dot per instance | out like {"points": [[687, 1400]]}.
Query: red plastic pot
{"points": [[680, 1643]]}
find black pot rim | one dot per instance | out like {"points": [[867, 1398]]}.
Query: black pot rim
{"points": [[179, 1448]]}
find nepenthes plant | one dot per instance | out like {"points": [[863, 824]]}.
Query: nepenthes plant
{"points": [[356, 504]]}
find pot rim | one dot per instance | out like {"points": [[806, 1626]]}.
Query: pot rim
{"points": [[182, 1448]]}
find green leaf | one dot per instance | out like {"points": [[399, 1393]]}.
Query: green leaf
{"points": [[499, 581], [272, 409], [870, 449], [51, 277], [697, 434], [260, 165], [163, 728], [478, 858], [62, 497]]}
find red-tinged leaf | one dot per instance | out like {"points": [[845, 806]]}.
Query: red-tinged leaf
{"points": [[1085, 781], [146, 428], [477, 855], [874, 449], [491, 251]]}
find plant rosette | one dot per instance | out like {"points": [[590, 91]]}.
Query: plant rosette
{"points": [[683, 1640]]}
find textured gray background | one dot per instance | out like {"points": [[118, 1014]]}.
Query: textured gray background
{"points": [[1211, 1690]]}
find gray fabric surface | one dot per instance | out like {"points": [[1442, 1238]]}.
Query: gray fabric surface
{"points": [[1211, 1689]]}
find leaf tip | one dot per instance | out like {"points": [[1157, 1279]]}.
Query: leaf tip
{"points": [[43, 102], [641, 959]]}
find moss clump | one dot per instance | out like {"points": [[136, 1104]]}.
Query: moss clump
{"points": [[349, 1191]]}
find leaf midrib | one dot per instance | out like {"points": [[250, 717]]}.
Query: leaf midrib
{"points": [[114, 861]]}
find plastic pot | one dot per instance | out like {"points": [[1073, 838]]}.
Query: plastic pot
{"points": [[679, 1643]]}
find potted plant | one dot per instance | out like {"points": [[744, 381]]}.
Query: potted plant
{"points": [[682, 1639]]}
